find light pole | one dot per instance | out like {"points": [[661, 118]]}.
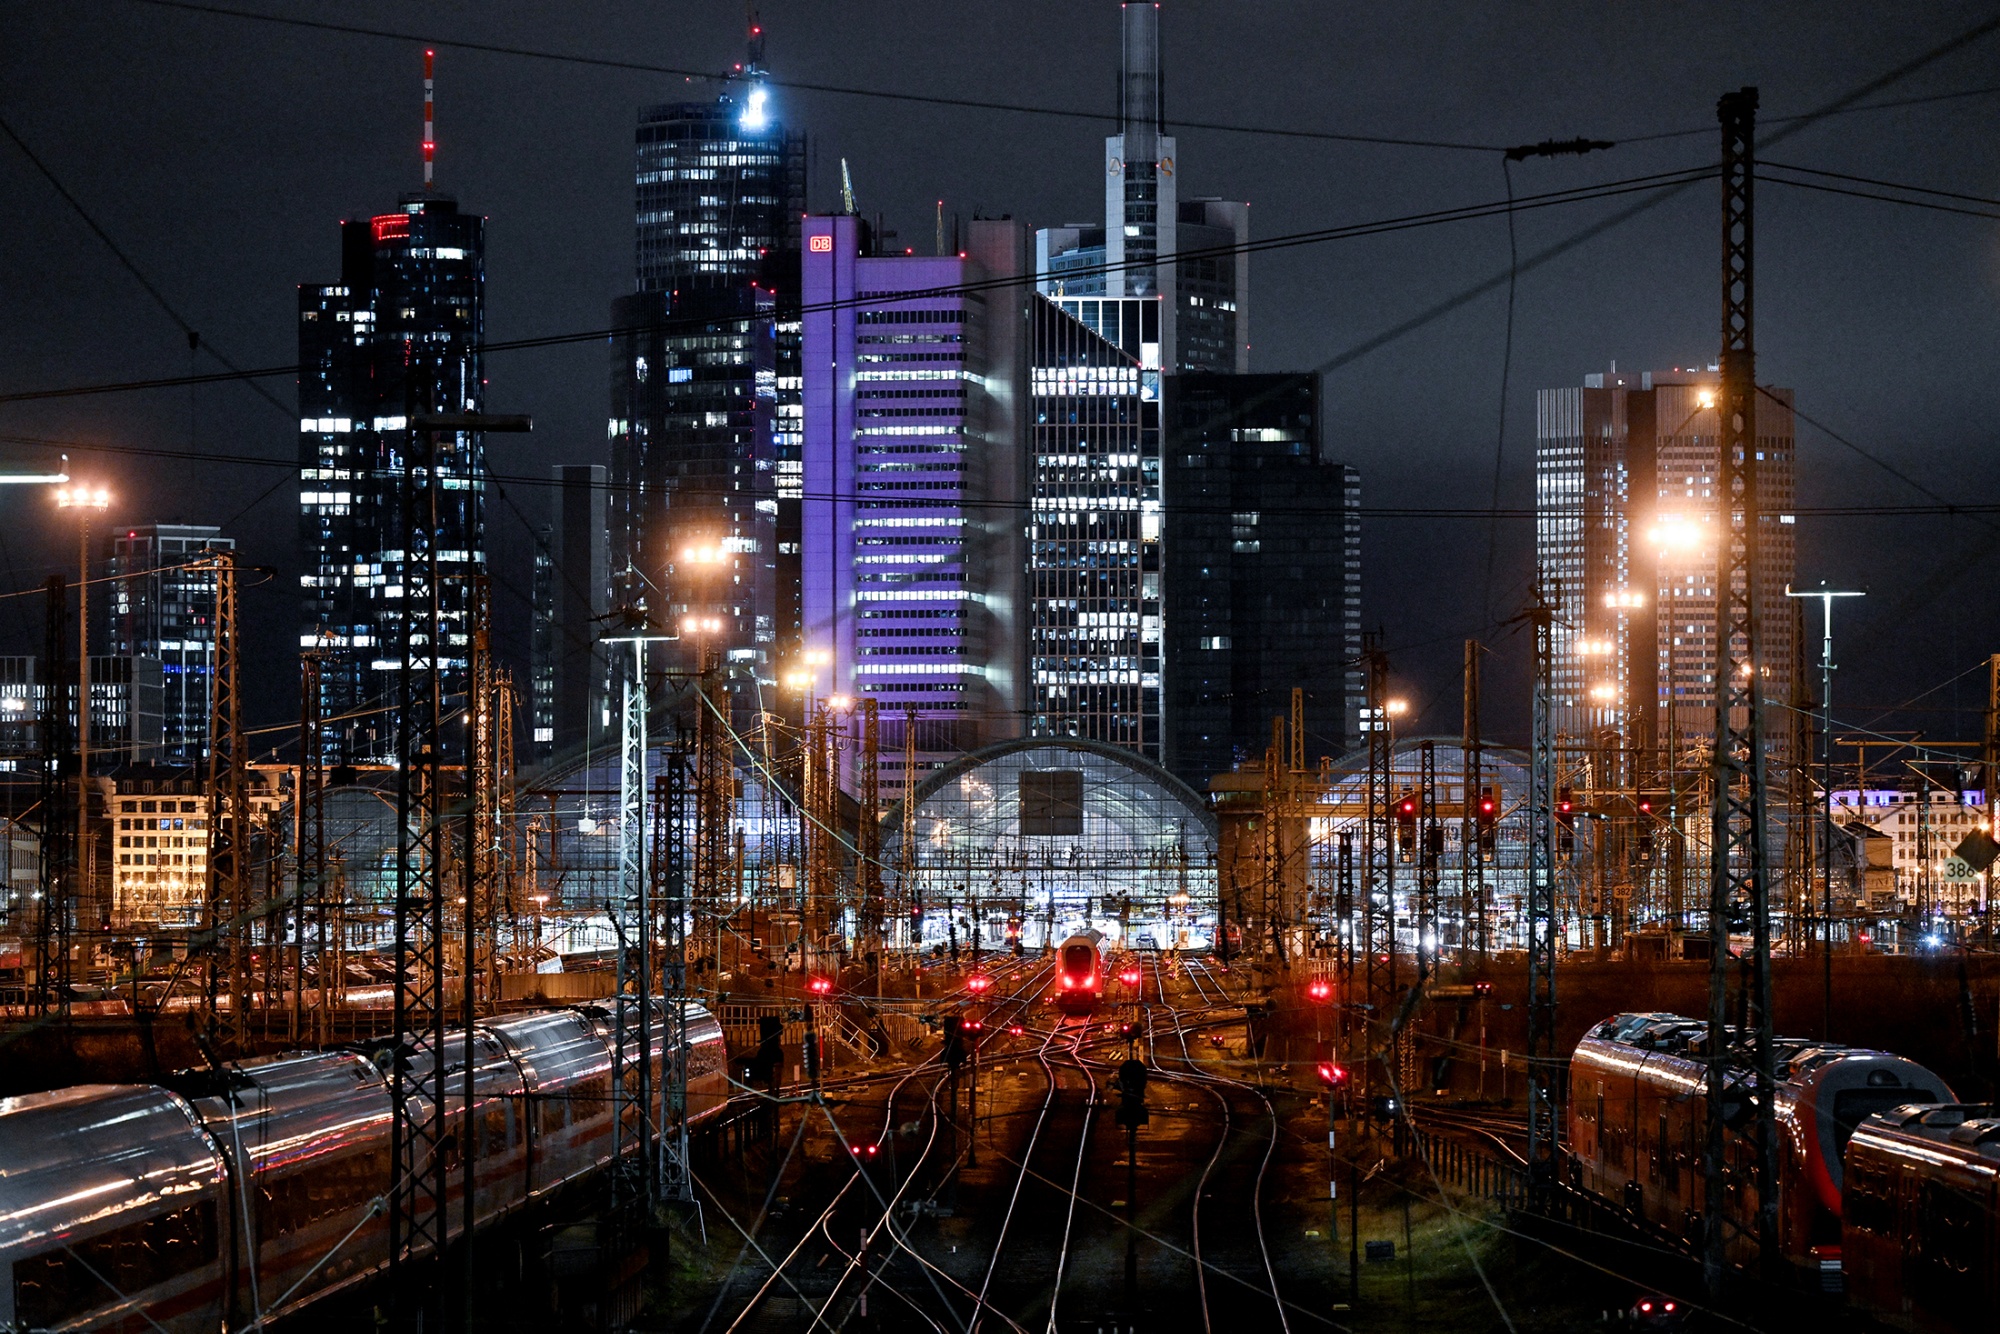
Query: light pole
{"points": [[84, 501], [1669, 536], [1826, 596]]}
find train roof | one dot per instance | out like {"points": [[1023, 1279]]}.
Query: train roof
{"points": [[1678, 1035], [296, 1105], [556, 1048], [77, 1155], [1972, 1127]]}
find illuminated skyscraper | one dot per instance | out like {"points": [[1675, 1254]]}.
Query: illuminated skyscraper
{"points": [[705, 380], [1094, 520], [398, 335], [914, 557], [163, 610], [1205, 293], [1626, 529]]}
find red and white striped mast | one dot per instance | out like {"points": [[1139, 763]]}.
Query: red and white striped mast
{"points": [[430, 133]]}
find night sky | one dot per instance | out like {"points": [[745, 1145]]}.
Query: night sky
{"points": [[220, 154]]}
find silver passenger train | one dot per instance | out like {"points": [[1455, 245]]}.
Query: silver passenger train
{"points": [[131, 1207]]}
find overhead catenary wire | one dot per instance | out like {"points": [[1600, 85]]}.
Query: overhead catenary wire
{"points": [[1012, 108], [1673, 180]]}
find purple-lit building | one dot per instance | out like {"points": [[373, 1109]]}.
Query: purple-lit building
{"points": [[915, 476]]}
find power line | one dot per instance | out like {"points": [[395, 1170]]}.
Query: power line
{"points": [[193, 336], [807, 86], [1669, 180], [1015, 108], [1453, 513]]}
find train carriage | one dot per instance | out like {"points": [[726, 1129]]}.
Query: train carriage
{"points": [[566, 1065], [1922, 1239], [112, 1201], [307, 1141], [130, 1208], [1637, 1130]]}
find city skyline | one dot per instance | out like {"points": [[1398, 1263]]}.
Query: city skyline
{"points": [[1675, 340]]}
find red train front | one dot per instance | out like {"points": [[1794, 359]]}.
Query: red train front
{"points": [[1079, 974]]}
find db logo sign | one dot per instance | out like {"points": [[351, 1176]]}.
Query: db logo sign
{"points": [[822, 245]]}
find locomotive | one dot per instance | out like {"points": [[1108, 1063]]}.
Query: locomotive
{"points": [[1922, 1241], [134, 1207], [1080, 973], [1638, 1117]]}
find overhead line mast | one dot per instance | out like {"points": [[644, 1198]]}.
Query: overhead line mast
{"points": [[1739, 871]]}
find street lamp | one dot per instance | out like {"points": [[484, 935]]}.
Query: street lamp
{"points": [[83, 500], [1826, 596]]}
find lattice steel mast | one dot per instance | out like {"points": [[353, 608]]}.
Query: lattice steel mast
{"points": [[228, 816], [1543, 1088], [1739, 868], [58, 840]]}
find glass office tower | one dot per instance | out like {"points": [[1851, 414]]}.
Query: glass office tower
{"points": [[398, 335], [1094, 520], [706, 381]]}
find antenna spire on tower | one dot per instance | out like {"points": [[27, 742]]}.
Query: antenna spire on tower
{"points": [[430, 133]]}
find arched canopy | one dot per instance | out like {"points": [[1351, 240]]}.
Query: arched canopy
{"points": [[1055, 828]]}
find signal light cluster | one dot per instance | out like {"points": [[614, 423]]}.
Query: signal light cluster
{"points": [[978, 982], [1331, 1074], [1130, 977], [820, 986], [1319, 989]]}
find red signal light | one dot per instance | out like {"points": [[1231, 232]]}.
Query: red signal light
{"points": [[1319, 989], [1407, 807], [1129, 977], [819, 986], [1331, 1074], [978, 982], [1486, 806], [1015, 1030]]}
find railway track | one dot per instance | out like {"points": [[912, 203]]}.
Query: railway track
{"points": [[1261, 1303], [861, 1202]]}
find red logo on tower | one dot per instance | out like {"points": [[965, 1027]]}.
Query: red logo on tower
{"points": [[820, 245]]}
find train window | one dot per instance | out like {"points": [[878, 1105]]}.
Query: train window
{"points": [[290, 1201], [61, 1285], [1076, 961], [493, 1136], [552, 1114]]}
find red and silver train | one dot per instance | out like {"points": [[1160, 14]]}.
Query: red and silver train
{"points": [[1080, 973], [1638, 1132], [1921, 1245], [130, 1207]]}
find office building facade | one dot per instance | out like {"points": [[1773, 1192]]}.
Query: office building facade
{"points": [[398, 336], [1203, 284], [1627, 524], [570, 674], [1094, 415], [914, 465], [162, 608], [1262, 572], [706, 382]]}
